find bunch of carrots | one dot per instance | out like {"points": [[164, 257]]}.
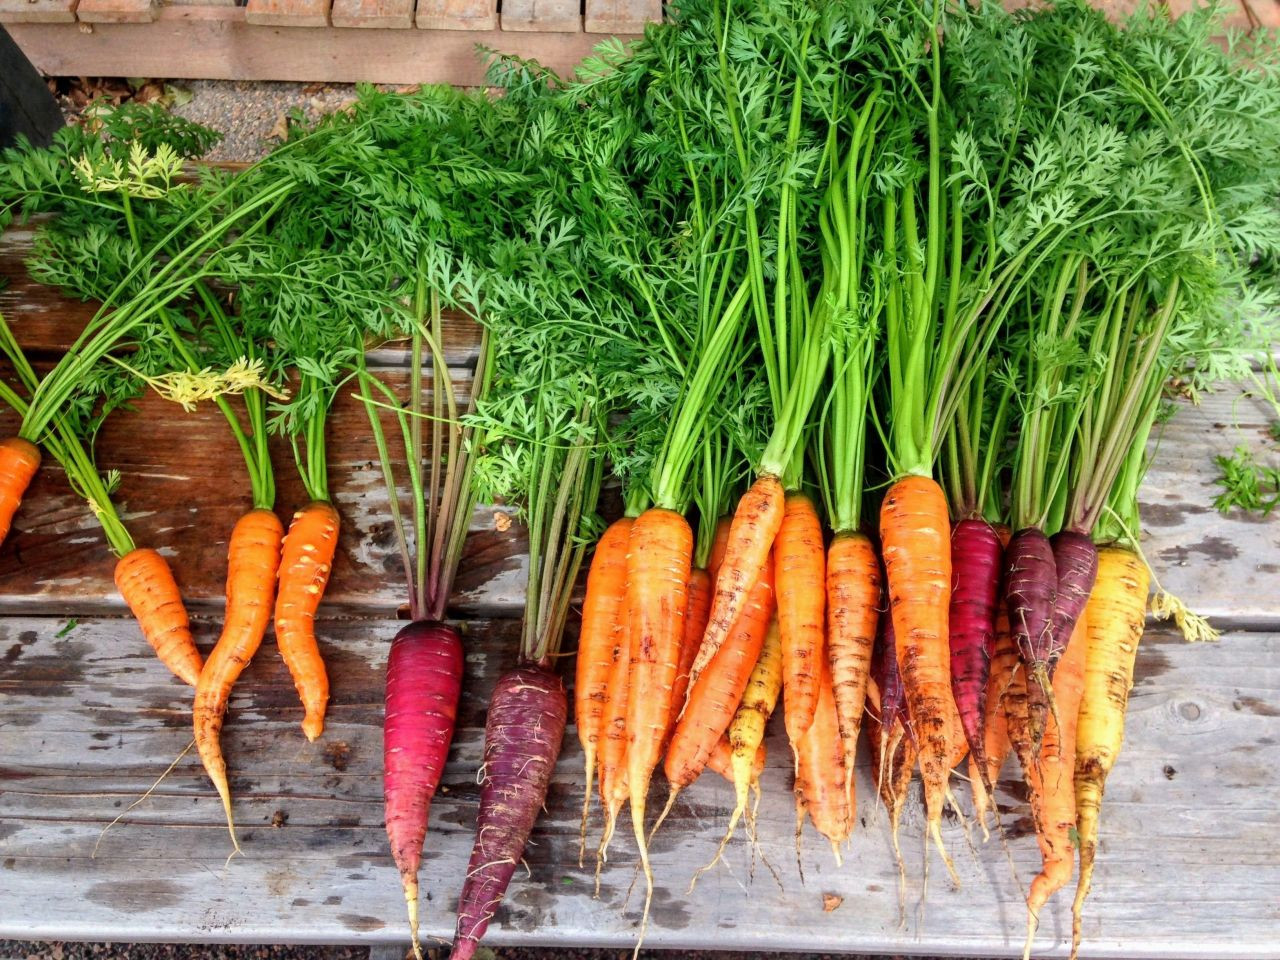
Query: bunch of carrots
{"points": [[868, 308]]}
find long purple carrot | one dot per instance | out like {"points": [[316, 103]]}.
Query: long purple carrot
{"points": [[1031, 586], [521, 744], [975, 562], [424, 682]]}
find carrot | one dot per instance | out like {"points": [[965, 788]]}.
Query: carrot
{"points": [[1031, 580], [853, 601], [716, 695], [821, 785], [597, 642], [995, 726], [1114, 622], [19, 461], [1053, 795], [695, 621], [801, 574], [975, 563], [613, 748], [252, 557], [719, 543], [893, 745], [658, 567], [751, 534], [145, 581], [304, 571], [721, 761], [915, 534], [521, 743], [424, 682]]}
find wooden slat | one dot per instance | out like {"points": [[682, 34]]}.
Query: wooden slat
{"points": [[387, 14], [457, 14], [116, 11], [89, 720], [37, 11], [558, 16], [288, 13], [218, 43], [620, 16]]}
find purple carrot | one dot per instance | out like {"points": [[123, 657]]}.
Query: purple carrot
{"points": [[1031, 586], [424, 681], [1077, 561], [521, 744], [884, 671], [975, 562]]}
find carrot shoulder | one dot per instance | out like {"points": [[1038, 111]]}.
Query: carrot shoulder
{"points": [[252, 557], [19, 461], [146, 583], [304, 572]]}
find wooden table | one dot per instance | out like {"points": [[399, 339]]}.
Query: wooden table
{"points": [[89, 719]]}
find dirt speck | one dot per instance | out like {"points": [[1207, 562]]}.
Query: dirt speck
{"points": [[1256, 706], [363, 924], [338, 755], [279, 819], [1169, 772]]}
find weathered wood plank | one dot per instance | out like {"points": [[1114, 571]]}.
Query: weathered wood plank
{"points": [[116, 11], [88, 720], [218, 43], [457, 14], [620, 16], [37, 11], [288, 13], [387, 14], [558, 16]]}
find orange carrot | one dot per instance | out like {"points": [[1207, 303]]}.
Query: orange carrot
{"points": [[821, 784], [658, 567], [721, 760], [304, 571], [1052, 780], [801, 574], [916, 535], [751, 535], [695, 621], [853, 601], [19, 461], [252, 557], [995, 729], [718, 546], [613, 743], [602, 612], [145, 581], [715, 695]]}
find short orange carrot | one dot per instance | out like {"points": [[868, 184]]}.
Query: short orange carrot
{"points": [[751, 534], [19, 461], [995, 726], [800, 569], [252, 558], [821, 785], [145, 581], [305, 564], [602, 628], [916, 536]]}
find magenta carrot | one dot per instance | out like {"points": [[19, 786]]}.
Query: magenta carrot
{"points": [[975, 584], [521, 743]]}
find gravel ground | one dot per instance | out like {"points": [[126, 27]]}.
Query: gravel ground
{"points": [[21, 950]]}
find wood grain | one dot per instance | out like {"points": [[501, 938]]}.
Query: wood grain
{"points": [[37, 11], [559, 16], [288, 13], [387, 14], [620, 16], [116, 11], [218, 43], [88, 720], [457, 14]]}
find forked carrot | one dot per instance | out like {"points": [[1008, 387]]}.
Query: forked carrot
{"points": [[252, 557], [658, 566], [1052, 780], [146, 583], [755, 525], [916, 536], [995, 726], [800, 568], [1114, 619], [305, 564], [853, 602], [19, 461], [821, 784], [602, 611]]}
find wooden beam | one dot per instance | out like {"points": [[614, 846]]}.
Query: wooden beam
{"points": [[552, 16], [26, 106], [620, 16], [218, 43], [116, 11], [37, 11], [387, 14], [288, 13], [458, 14]]}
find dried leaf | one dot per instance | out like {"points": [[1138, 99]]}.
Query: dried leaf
{"points": [[831, 901]]}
